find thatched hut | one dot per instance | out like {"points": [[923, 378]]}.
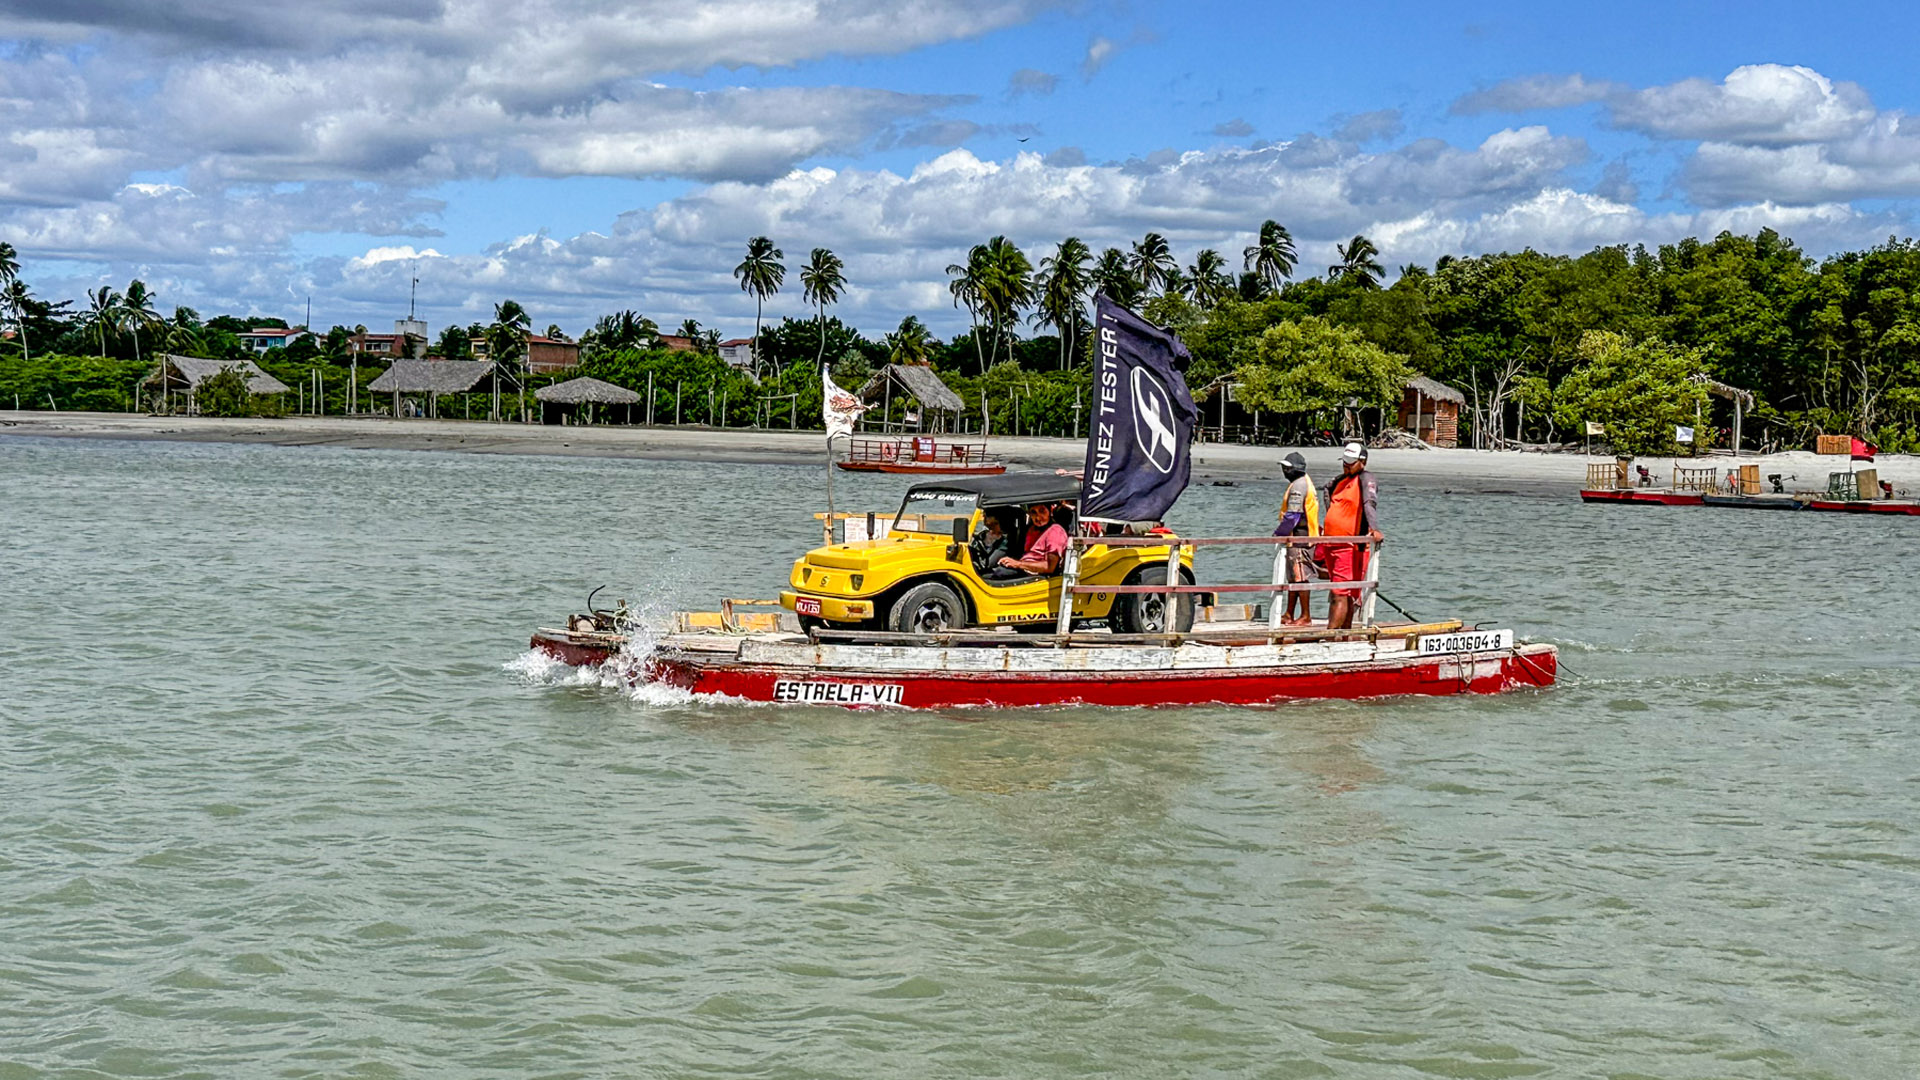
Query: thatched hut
{"points": [[582, 399], [432, 378], [939, 407], [1431, 411], [183, 375]]}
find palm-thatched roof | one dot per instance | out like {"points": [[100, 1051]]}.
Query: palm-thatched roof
{"points": [[1435, 391], [1719, 389], [188, 372], [431, 376], [583, 390], [916, 381]]}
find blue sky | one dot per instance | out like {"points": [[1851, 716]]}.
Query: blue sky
{"points": [[584, 157]]}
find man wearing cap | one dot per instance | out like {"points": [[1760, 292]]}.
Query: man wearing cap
{"points": [[1299, 516], [1352, 510]]}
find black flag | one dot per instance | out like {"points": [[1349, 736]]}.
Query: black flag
{"points": [[1138, 456]]}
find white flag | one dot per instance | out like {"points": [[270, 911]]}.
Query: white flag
{"points": [[1682, 434], [838, 408], [1596, 428]]}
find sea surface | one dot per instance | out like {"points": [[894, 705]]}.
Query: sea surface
{"points": [[282, 794]]}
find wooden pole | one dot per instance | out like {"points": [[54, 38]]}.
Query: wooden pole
{"points": [[649, 399]]}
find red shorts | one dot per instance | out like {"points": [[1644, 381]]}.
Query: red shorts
{"points": [[1346, 562]]}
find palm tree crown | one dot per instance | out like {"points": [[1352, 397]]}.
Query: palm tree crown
{"points": [[1270, 258], [1112, 275], [1153, 263], [1063, 284], [1207, 280], [1359, 263], [911, 343]]}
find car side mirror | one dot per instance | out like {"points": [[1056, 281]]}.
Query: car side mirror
{"points": [[962, 530]]}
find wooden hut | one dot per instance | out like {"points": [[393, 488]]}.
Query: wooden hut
{"points": [[939, 407], [580, 399], [432, 378], [183, 375], [1431, 411]]}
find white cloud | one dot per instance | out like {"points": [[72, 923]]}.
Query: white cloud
{"points": [[1760, 104], [1535, 92]]}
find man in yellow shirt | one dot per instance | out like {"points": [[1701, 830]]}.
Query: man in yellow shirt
{"points": [[1299, 516]]}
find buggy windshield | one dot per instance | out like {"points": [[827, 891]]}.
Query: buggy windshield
{"points": [[934, 511]]}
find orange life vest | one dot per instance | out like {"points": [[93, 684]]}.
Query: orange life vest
{"points": [[1343, 509]]}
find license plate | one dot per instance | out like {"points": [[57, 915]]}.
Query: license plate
{"points": [[805, 606], [1468, 641]]}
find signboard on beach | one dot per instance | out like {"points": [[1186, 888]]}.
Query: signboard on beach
{"points": [[1682, 434], [1594, 427], [1139, 444]]}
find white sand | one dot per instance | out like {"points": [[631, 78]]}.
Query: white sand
{"points": [[1466, 470]]}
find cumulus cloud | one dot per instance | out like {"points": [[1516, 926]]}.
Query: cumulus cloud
{"points": [[1759, 105]]}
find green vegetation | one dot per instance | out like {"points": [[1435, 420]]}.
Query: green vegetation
{"points": [[1539, 344]]}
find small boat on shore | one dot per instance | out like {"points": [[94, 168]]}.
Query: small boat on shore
{"points": [[922, 455], [1865, 506]]}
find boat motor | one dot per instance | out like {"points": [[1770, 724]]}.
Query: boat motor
{"points": [[596, 618], [1778, 487], [1646, 478], [1886, 489]]}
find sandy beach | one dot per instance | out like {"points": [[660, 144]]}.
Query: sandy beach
{"points": [[1463, 470]]}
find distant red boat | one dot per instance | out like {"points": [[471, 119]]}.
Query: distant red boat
{"points": [[922, 454], [1642, 496], [1866, 506]]}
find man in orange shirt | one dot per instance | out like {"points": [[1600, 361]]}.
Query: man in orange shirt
{"points": [[1352, 510]]}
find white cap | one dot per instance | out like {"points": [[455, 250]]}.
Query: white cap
{"points": [[1354, 452]]}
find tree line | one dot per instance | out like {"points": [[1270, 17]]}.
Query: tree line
{"points": [[1627, 337]]}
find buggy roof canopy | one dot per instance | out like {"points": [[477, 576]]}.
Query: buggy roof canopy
{"points": [[1007, 489], [431, 376], [583, 390], [918, 382], [190, 371]]}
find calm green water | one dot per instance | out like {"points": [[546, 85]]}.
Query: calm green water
{"points": [[284, 798]]}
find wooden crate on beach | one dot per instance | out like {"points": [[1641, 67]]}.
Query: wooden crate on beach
{"points": [[1749, 479], [1833, 444]]}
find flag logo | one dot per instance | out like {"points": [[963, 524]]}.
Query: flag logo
{"points": [[1153, 423]]}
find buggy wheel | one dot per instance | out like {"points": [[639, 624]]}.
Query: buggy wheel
{"points": [[1146, 613], [927, 608]]}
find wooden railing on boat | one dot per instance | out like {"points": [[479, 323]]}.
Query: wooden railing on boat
{"points": [[916, 450], [1277, 589]]}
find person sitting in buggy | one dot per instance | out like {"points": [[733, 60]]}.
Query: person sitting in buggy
{"points": [[1045, 546]]}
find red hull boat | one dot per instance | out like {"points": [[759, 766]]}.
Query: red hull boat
{"points": [[923, 455], [1866, 506], [792, 669], [1641, 496]]}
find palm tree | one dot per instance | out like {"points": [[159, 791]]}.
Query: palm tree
{"points": [[1063, 285], [1112, 275], [1207, 279], [910, 344], [1153, 263], [17, 301], [9, 264], [761, 274], [10, 277], [507, 336], [555, 333], [136, 311], [966, 289], [1006, 289], [821, 281], [689, 329], [103, 314], [1271, 258], [183, 333], [1359, 263]]}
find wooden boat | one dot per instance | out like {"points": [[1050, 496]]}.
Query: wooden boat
{"points": [[923, 454], [1225, 666], [1756, 502], [764, 656], [1642, 496], [1865, 506]]}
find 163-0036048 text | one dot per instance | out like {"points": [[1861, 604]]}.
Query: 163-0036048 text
{"points": [[797, 692], [1469, 641]]}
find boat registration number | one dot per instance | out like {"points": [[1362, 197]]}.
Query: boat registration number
{"points": [[806, 606], [837, 693], [1469, 641]]}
